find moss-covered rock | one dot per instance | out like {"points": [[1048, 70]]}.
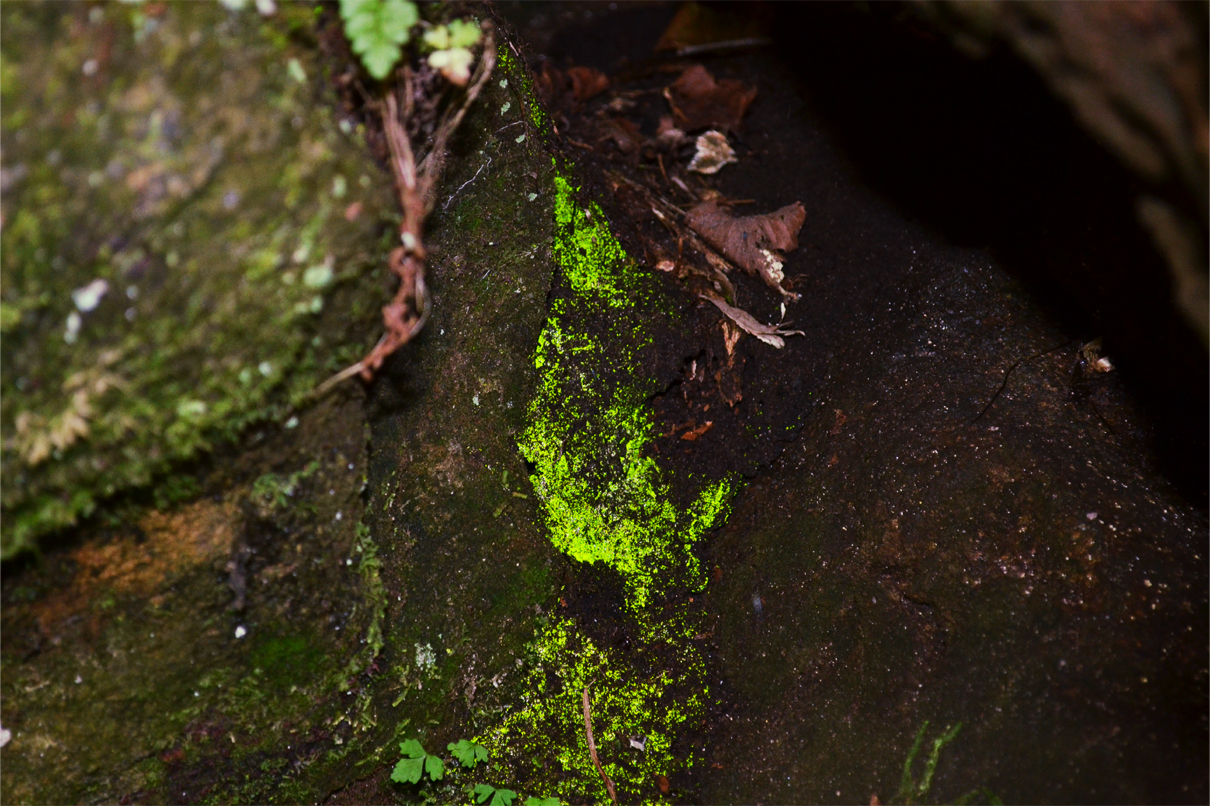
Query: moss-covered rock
{"points": [[188, 238]]}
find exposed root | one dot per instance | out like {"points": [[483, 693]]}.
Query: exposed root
{"points": [[592, 749], [406, 314]]}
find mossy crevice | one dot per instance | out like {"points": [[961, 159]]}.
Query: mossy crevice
{"points": [[605, 498]]}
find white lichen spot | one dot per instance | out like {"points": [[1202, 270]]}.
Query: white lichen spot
{"points": [[265, 368], [504, 83], [475, 400], [72, 329], [292, 422], [532, 196], [521, 139], [89, 297], [504, 109], [245, 376], [317, 304], [339, 187], [426, 658], [295, 69], [240, 632]]}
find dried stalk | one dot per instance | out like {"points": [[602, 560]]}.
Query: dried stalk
{"points": [[592, 749], [405, 315]]}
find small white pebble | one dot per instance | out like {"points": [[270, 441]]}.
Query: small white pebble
{"points": [[265, 368], [339, 515], [79, 680], [240, 632], [292, 422], [1092, 516]]}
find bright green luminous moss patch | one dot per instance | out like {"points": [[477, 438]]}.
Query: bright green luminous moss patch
{"points": [[605, 500], [635, 716]]}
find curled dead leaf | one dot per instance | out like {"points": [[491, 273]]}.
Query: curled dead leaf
{"points": [[713, 152], [754, 243], [587, 82], [699, 102], [769, 334], [623, 133]]}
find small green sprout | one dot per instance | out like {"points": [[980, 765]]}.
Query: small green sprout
{"points": [[378, 30], [911, 791], [468, 753], [499, 797], [451, 49], [416, 763]]}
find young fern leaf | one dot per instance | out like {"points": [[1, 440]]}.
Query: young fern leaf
{"points": [[378, 30]]}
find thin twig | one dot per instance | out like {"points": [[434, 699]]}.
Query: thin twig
{"points": [[592, 749], [1009, 371]]}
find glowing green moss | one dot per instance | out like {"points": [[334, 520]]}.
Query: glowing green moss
{"points": [[626, 704], [517, 73], [603, 499]]}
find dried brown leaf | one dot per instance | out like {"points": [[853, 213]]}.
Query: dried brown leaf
{"points": [[769, 334], [753, 243], [700, 102], [587, 82], [713, 152], [696, 25]]}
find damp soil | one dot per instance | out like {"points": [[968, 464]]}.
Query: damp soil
{"points": [[950, 517]]}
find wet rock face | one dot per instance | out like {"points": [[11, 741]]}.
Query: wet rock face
{"points": [[188, 242]]}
